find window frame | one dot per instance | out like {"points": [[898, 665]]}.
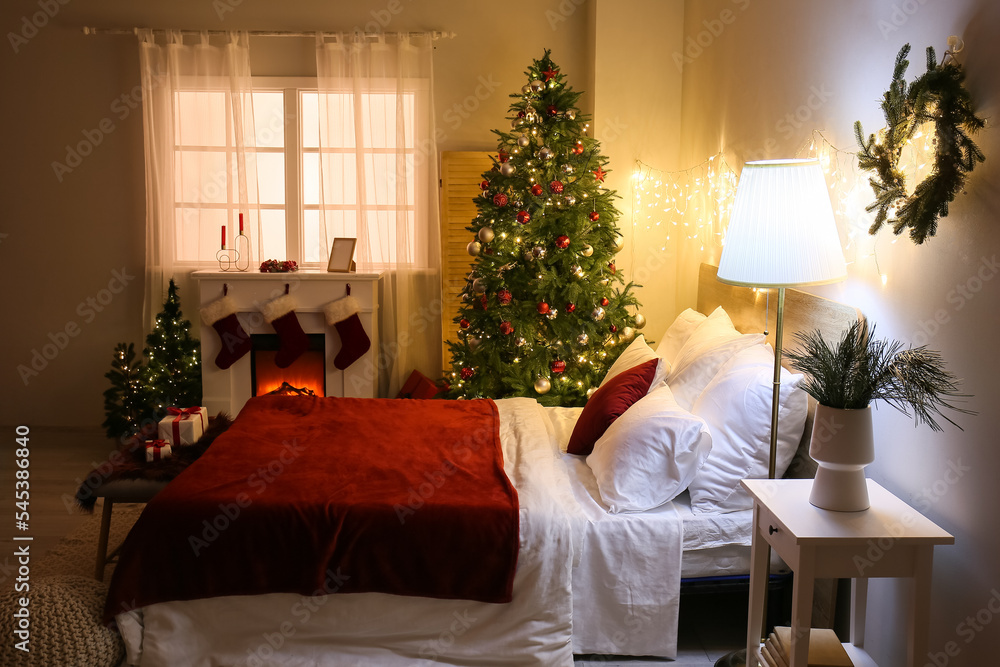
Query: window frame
{"points": [[294, 208]]}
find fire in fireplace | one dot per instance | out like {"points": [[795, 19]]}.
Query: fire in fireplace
{"points": [[308, 372]]}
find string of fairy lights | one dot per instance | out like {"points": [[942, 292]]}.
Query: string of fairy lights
{"points": [[693, 206]]}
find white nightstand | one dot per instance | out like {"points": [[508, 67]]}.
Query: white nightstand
{"points": [[890, 539]]}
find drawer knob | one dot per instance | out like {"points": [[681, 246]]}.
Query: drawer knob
{"points": [[771, 530]]}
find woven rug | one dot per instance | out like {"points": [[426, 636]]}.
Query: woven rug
{"points": [[77, 552], [66, 603]]}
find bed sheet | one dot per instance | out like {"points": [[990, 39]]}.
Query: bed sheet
{"points": [[626, 574], [535, 628]]}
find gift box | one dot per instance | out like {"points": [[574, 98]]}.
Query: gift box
{"points": [[419, 385], [183, 426], [157, 450]]}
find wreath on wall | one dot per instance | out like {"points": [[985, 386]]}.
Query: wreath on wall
{"points": [[938, 96]]}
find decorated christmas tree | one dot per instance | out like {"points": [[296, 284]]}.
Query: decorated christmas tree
{"points": [[545, 310], [168, 374], [126, 402], [173, 358]]}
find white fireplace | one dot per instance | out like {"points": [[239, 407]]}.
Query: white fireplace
{"points": [[228, 390]]}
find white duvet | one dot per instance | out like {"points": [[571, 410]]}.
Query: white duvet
{"points": [[585, 580]]}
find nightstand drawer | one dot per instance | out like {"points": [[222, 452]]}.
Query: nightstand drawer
{"points": [[777, 535]]}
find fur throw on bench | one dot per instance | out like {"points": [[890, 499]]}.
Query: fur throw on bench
{"points": [[129, 463]]}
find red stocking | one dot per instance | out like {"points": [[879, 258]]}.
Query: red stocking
{"points": [[221, 315], [292, 341], [354, 342]]}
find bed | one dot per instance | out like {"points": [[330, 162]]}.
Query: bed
{"points": [[586, 580]]}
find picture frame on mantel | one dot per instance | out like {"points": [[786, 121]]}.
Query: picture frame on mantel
{"points": [[342, 256]]}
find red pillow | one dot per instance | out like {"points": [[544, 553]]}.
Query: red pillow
{"points": [[608, 404]]}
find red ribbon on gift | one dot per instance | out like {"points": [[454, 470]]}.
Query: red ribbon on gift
{"points": [[156, 446], [182, 414]]}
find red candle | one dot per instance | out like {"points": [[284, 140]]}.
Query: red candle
{"points": [[241, 224], [223, 237]]}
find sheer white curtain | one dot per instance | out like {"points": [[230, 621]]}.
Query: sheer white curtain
{"points": [[379, 183], [200, 165]]}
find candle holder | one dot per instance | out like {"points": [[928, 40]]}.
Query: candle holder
{"points": [[242, 262], [229, 259]]}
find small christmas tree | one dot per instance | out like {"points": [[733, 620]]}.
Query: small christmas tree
{"points": [[168, 375], [125, 402], [173, 358], [543, 315]]}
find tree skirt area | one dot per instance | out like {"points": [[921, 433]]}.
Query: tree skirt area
{"points": [[63, 625]]}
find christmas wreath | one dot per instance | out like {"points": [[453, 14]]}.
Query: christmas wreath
{"points": [[938, 96]]}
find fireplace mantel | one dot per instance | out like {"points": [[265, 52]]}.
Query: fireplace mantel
{"points": [[228, 390]]}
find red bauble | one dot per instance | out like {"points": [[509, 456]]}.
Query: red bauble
{"points": [[594, 215], [467, 372], [483, 300], [521, 114], [611, 265], [604, 301], [464, 323], [614, 328], [558, 366], [536, 190], [523, 216], [562, 241], [506, 328], [578, 148], [543, 308], [570, 307], [500, 199], [504, 156], [556, 187], [485, 185], [504, 297], [552, 110]]}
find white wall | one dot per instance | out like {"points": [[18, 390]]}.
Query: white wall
{"points": [[65, 239], [829, 63]]}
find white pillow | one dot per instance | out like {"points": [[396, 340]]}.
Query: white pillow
{"points": [[636, 353], [714, 342], [649, 454], [678, 333], [737, 407]]}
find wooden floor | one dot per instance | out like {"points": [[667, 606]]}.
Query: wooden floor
{"points": [[60, 458]]}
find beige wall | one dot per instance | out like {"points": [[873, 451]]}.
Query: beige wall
{"points": [[637, 116], [828, 63], [65, 239]]}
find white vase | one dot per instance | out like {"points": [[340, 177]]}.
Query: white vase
{"points": [[842, 445]]}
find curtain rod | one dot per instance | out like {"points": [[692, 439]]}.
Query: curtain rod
{"points": [[87, 30]]}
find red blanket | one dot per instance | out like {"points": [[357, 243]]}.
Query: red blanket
{"points": [[320, 495]]}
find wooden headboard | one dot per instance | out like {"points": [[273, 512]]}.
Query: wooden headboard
{"points": [[803, 312]]}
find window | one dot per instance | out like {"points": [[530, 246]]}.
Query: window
{"points": [[286, 158]]}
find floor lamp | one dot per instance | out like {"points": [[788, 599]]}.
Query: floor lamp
{"points": [[781, 234]]}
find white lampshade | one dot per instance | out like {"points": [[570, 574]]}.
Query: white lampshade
{"points": [[781, 231]]}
